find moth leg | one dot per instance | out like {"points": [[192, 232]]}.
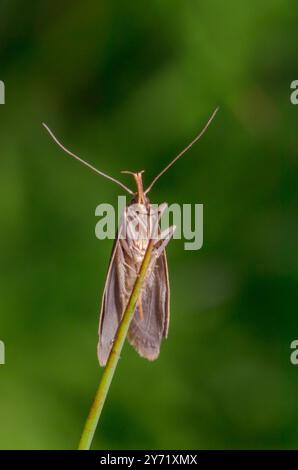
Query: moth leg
{"points": [[126, 248], [141, 313], [130, 267], [165, 236], [155, 218]]}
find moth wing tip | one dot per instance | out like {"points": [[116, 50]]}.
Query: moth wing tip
{"points": [[151, 354], [102, 359]]}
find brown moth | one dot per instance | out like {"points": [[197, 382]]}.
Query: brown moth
{"points": [[139, 224], [151, 318]]}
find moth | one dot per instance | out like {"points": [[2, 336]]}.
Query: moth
{"points": [[139, 223]]}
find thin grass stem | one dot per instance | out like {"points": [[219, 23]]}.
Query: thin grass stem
{"points": [[108, 373]]}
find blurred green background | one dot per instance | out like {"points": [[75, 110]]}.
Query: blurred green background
{"points": [[126, 85]]}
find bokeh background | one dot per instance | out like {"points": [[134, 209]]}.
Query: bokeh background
{"points": [[127, 85]]}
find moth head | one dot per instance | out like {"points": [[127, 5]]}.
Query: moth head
{"points": [[139, 195]]}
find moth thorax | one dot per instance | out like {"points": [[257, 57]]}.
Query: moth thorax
{"points": [[139, 230]]}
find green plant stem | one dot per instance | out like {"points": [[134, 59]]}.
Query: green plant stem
{"points": [[108, 373]]}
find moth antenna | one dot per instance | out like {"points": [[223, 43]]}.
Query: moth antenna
{"points": [[183, 151], [84, 162]]}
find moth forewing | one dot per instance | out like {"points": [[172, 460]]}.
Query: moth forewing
{"points": [[151, 320], [109, 322], [146, 332]]}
